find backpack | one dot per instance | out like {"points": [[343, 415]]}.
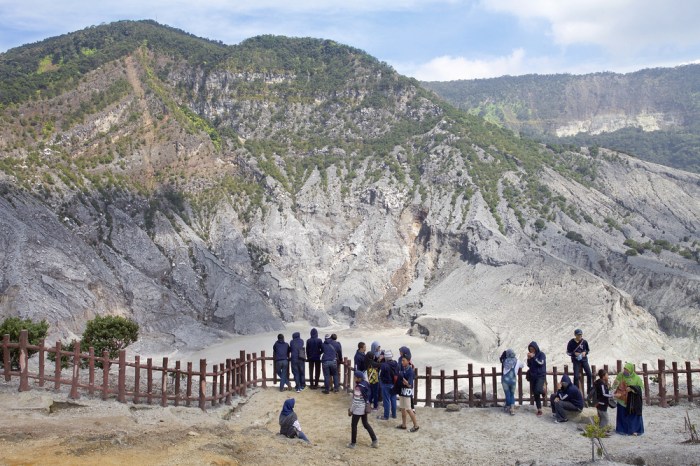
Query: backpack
{"points": [[302, 353], [502, 359], [594, 394]]}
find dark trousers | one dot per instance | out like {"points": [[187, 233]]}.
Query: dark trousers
{"points": [[330, 370], [355, 419], [374, 394], [314, 372], [537, 389], [560, 408], [587, 369], [298, 371]]}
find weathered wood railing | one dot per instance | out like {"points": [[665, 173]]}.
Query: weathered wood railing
{"points": [[216, 384]]}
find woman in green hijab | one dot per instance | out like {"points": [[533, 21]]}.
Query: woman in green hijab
{"points": [[628, 388]]}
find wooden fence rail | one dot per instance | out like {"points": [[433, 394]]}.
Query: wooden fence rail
{"points": [[213, 385]]}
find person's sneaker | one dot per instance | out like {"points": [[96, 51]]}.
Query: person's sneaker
{"points": [[560, 421], [539, 413], [375, 444], [351, 445], [325, 392], [512, 411], [298, 390], [382, 418]]}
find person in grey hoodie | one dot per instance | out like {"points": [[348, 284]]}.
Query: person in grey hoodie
{"points": [[298, 359]]}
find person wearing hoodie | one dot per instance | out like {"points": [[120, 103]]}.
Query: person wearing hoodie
{"points": [[314, 347], [280, 354], [404, 351], [298, 359], [289, 423], [372, 364], [388, 373], [537, 373], [338, 355], [329, 362], [511, 366], [567, 399], [360, 358], [358, 410]]}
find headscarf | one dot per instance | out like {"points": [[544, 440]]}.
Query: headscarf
{"points": [[287, 407], [375, 345], [632, 380], [510, 361]]}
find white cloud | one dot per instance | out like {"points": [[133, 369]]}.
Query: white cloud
{"points": [[618, 26], [447, 68]]}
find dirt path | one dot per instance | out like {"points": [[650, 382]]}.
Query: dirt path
{"points": [[105, 433]]}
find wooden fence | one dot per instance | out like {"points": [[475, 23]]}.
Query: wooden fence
{"points": [[213, 385]]}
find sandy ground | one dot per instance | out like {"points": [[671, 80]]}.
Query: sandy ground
{"points": [[41, 427]]}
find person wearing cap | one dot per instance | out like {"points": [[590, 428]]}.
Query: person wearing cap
{"points": [[388, 373], [578, 350], [359, 406]]}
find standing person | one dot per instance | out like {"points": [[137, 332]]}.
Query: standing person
{"points": [[289, 423], [404, 351], [338, 358], [313, 354], [372, 363], [298, 358], [566, 399], [628, 388], [388, 373], [360, 358], [603, 397], [406, 377], [280, 354], [536, 373], [578, 350], [358, 410], [330, 365], [511, 366]]}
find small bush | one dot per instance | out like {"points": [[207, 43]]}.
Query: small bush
{"points": [[13, 325], [111, 333]]}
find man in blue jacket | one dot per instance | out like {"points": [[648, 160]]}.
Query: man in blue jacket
{"points": [[313, 355], [298, 359], [280, 354], [567, 399], [330, 365]]}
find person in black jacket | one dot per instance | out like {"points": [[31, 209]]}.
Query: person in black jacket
{"points": [[289, 423], [298, 359], [280, 354], [603, 397], [329, 362], [567, 399], [338, 358], [578, 349], [537, 373], [313, 355]]}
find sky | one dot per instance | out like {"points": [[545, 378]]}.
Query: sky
{"points": [[430, 40]]}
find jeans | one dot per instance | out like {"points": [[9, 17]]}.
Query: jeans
{"points": [[560, 408], [281, 368], [374, 394], [314, 372], [509, 390], [330, 369], [298, 371], [587, 369], [388, 400], [355, 419]]}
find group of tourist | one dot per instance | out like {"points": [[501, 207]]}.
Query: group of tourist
{"points": [[378, 376], [625, 394]]}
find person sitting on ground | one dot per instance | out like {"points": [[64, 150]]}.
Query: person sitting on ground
{"points": [[358, 410], [537, 373], [628, 388], [289, 423], [578, 350], [567, 399], [603, 397], [406, 377]]}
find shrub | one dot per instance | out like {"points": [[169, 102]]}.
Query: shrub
{"points": [[111, 333], [13, 325]]}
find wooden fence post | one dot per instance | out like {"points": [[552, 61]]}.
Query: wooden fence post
{"points": [[470, 374], [455, 386], [229, 385], [245, 375], [42, 361], [263, 367], [495, 389], [6, 367], [137, 378], [645, 376], [483, 387], [689, 380], [149, 380], [428, 385], [57, 369], [415, 386], [23, 366], [91, 370], [676, 388], [164, 384], [105, 374], [202, 384], [662, 384], [121, 380], [520, 386], [214, 384], [249, 372], [255, 370], [177, 383], [76, 372], [188, 394]]}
